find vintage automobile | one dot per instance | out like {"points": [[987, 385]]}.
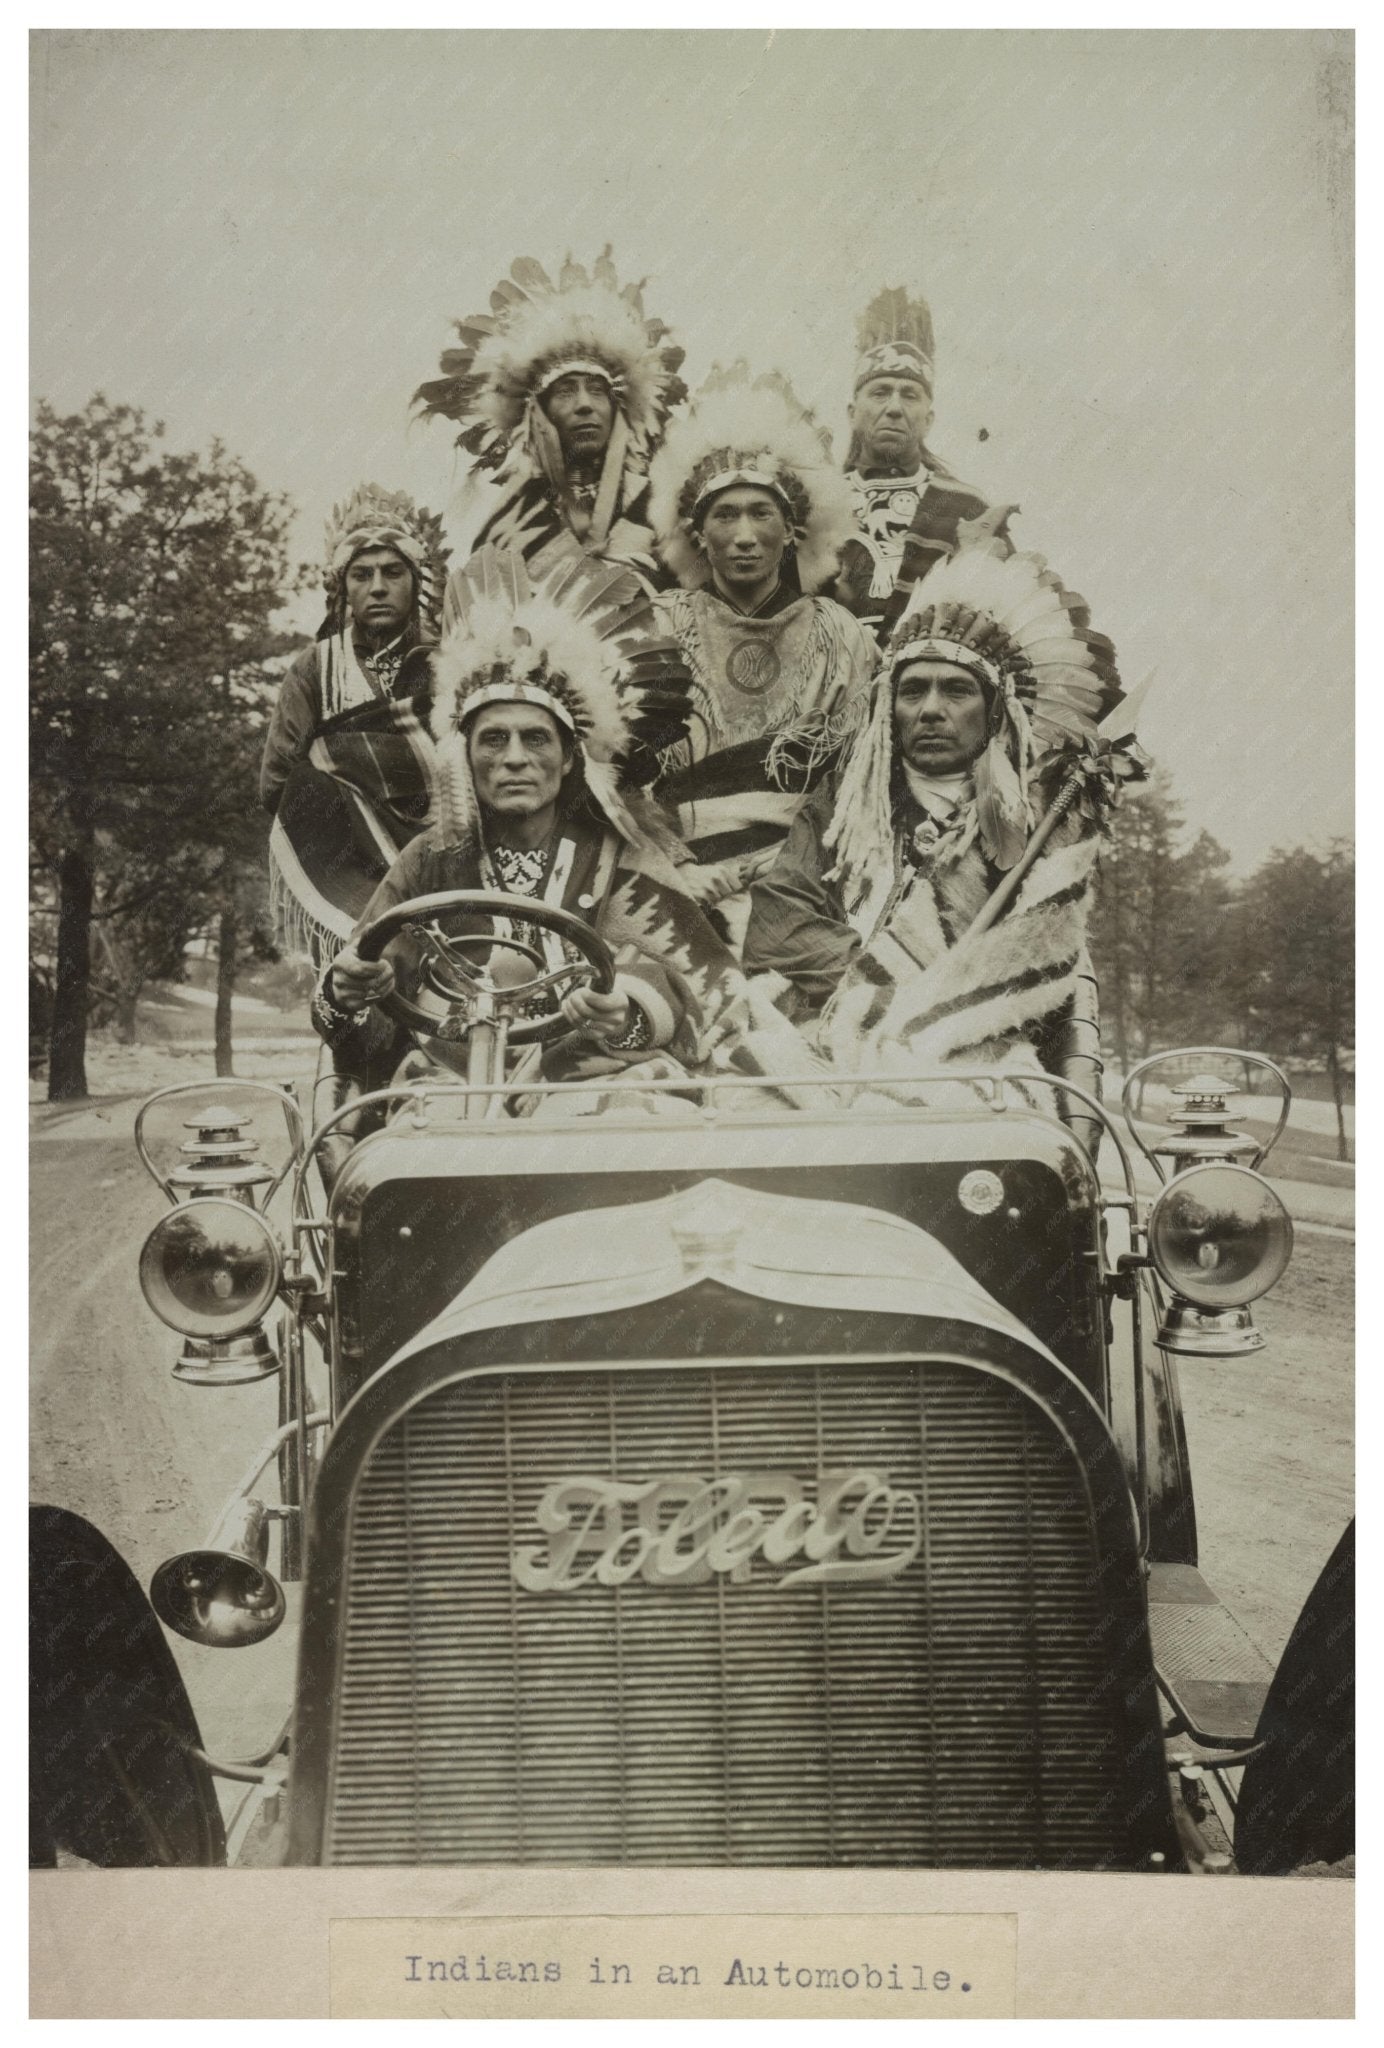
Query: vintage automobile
{"points": [[735, 1473]]}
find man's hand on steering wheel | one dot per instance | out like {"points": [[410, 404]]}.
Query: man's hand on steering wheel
{"points": [[597, 1016], [456, 991], [356, 983]]}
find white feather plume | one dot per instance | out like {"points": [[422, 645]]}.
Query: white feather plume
{"points": [[582, 321], [765, 429]]}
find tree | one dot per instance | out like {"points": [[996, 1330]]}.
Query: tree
{"points": [[1186, 956], [1300, 907], [1139, 912], [143, 917], [1196, 982], [235, 831], [1242, 972], [243, 926], [155, 578]]}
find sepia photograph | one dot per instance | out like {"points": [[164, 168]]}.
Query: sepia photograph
{"points": [[691, 993]]}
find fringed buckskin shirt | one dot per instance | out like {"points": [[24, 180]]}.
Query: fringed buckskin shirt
{"points": [[774, 693]]}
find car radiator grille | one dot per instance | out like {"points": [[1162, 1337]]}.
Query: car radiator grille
{"points": [[960, 1713]]}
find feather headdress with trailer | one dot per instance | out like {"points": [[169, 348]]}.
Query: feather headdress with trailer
{"points": [[1049, 678], [744, 430], [375, 518], [537, 331], [582, 642]]}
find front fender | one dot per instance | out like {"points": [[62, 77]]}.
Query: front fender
{"points": [[112, 1779]]}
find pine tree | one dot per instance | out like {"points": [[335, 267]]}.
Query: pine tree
{"points": [[1138, 915], [154, 580], [1301, 909]]}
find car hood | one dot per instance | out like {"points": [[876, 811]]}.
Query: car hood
{"points": [[814, 1254]]}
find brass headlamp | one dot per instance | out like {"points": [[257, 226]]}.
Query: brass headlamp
{"points": [[210, 1269], [1218, 1235]]}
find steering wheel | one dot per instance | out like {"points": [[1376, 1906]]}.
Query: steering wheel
{"points": [[455, 993]]}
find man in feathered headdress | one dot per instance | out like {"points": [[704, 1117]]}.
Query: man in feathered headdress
{"points": [[750, 516], [985, 711], [562, 393], [541, 703], [910, 510], [347, 767]]}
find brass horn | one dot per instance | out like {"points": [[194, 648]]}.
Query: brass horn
{"points": [[223, 1596]]}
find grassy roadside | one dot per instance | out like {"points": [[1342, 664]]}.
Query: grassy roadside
{"points": [[1304, 1155]]}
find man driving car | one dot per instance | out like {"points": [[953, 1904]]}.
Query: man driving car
{"points": [[533, 719]]}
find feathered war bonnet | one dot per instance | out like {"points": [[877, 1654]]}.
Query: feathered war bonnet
{"points": [[375, 518], [744, 431], [583, 642], [1049, 680], [537, 331]]}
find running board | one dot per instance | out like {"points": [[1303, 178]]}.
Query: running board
{"points": [[1215, 1677]]}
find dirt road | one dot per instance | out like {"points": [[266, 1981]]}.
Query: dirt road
{"points": [[1272, 1444], [150, 1461]]}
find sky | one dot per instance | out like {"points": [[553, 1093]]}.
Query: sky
{"points": [[1136, 247]]}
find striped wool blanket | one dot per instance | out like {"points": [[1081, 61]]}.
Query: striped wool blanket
{"points": [[364, 790]]}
